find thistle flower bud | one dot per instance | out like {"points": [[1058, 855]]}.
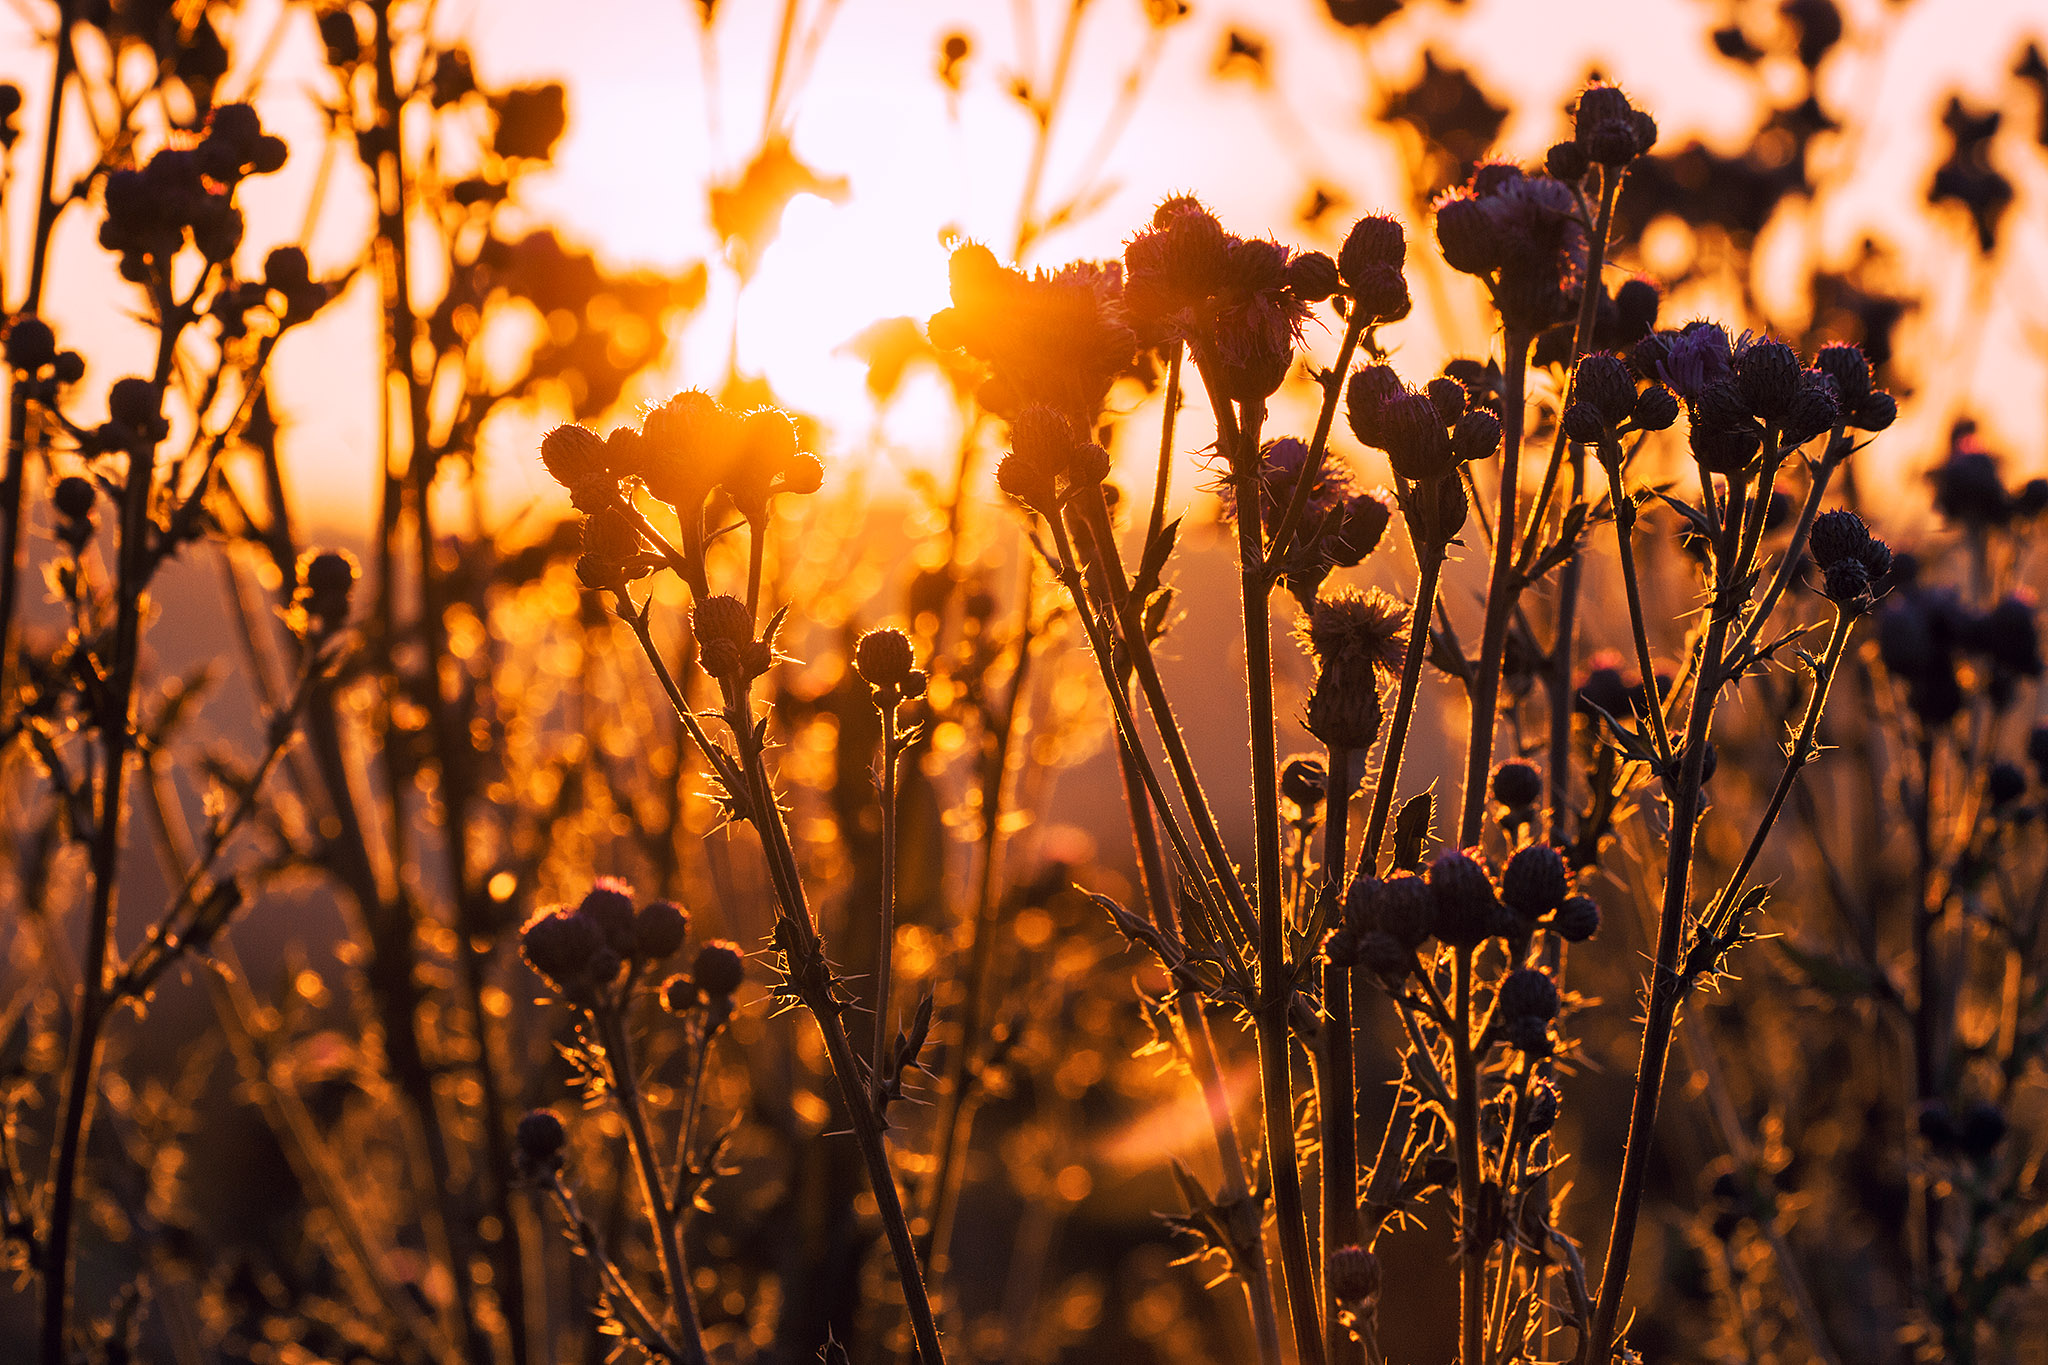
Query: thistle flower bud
{"points": [[1577, 920], [679, 994], [1815, 410], [1567, 161], [719, 968], [1354, 1276], [1344, 708], [1476, 436], [1517, 785], [1468, 910], [1465, 234], [1400, 907], [540, 1139], [1847, 585], [74, 497], [1374, 241], [1529, 993], [1385, 956], [1381, 293], [1449, 398], [1535, 882], [1837, 536], [884, 660], [30, 344], [1306, 783], [1416, 443], [327, 580], [1313, 277], [609, 905], [659, 930], [1584, 423], [1603, 380], [559, 943], [576, 458], [1656, 409]]}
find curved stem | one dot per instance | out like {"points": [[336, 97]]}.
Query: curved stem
{"points": [[1624, 536], [1431, 559]]}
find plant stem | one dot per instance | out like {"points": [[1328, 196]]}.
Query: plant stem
{"points": [[1336, 1081], [1430, 559], [1666, 988], [1472, 1250], [891, 752], [661, 1213], [1276, 979], [1500, 591], [1624, 537]]}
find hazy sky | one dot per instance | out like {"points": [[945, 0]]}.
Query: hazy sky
{"points": [[647, 134]]}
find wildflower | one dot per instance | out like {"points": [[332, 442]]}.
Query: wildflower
{"points": [[1863, 406], [1339, 526], [1313, 276], [1535, 881], [686, 448], [608, 905], [1521, 233], [1420, 441], [1375, 243], [327, 579], [1968, 488], [1609, 129], [679, 994], [611, 556], [766, 460], [725, 636]]}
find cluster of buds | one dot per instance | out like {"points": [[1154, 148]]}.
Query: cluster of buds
{"points": [[885, 662], [1522, 234], [1607, 131], [1049, 461], [1457, 903], [1523, 1008], [1853, 561], [1370, 264], [613, 555], [1426, 433], [716, 973], [692, 445], [1340, 526], [1606, 403], [1238, 302], [1736, 394], [187, 192], [1970, 491], [327, 579], [1058, 339], [580, 950], [1355, 638], [73, 497], [32, 354], [726, 645], [135, 418], [1924, 633]]}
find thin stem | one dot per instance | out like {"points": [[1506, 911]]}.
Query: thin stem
{"points": [[661, 1212], [891, 753], [1336, 1080], [1155, 525], [1326, 416], [1471, 1249], [1276, 979], [1500, 592], [1666, 988], [1624, 537], [1385, 786]]}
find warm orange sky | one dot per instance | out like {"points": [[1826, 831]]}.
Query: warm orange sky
{"points": [[642, 145]]}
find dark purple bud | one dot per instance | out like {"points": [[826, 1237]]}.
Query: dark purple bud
{"points": [[1517, 785], [1375, 240], [1535, 882], [1468, 909], [1530, 994], [1312, 277], [1577, 920]]}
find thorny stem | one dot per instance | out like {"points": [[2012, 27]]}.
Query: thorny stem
{"points": [[1838, 450], [956, 1107], [1500, 592], [661, 1212], [1802, 751], [1276, 980], [1624, 537], [892, 751], [812, 979], [1430, 559], [640, 1323], [1336, 1081], [1731, 571]]}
